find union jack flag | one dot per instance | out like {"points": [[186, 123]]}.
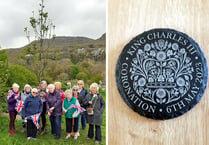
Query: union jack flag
{"points": [[80, 109], [19, 105], [35, 119], [10, 93]]}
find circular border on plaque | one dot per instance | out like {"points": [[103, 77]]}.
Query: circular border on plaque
{"points": [[161, 74]]}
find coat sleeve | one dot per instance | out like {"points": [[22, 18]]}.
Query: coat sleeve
{"points": [[80, 100], [41, 105], [24, 108], [86, 100], [85, 93], [47, 104], [11, 99], [63, 106], [63, 97], [59, 100], [102, 104]]}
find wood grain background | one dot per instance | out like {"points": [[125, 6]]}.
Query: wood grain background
{"points": [[126, 19]]}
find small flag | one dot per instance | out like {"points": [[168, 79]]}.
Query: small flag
{"points": [[69, 84], [80, 109], [25, 119], [19, 105], [94, 96], [10, 93], [35, 119]]}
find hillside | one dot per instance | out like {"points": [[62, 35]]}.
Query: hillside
{"points": [[65, 52], [64, 43]]}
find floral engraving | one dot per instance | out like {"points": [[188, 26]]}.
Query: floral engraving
{"points": [[161, 72]]}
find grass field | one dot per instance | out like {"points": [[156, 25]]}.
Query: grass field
{"points": [[46, 139]]}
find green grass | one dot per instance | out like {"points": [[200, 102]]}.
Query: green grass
{"points": [[46, 139]]}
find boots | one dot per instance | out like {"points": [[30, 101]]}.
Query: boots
{"points": [[13, 126], [43, 131], [12, 132], [11, 129]]}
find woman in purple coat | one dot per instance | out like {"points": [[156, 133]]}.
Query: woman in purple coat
{"points": [[54, 109], [13, 95]]}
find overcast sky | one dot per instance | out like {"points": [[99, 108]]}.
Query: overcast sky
{"points": [[71, 17]]}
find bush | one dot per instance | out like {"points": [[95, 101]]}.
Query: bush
{"points": [[19, 74], [72, 71], [3, 103], [97, 78], [82, 76], [62, 77], [3, 73]]}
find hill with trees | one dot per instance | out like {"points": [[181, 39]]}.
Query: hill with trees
{"points": [[68, 58]]}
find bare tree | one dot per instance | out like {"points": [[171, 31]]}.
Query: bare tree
{"points": [[44, 35]]}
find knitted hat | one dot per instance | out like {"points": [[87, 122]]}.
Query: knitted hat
{"points": [[27, 86]]}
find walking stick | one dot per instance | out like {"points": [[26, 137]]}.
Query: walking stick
{"points": [[72, 127]]}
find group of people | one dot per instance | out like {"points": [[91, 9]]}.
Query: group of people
{"points": [[75, 103]]}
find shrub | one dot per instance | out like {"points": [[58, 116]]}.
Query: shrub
{"points": [[3, 73], [19, 74], [72, 71], [97, 78], [82, 76]]}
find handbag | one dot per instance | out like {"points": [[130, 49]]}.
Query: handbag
{"points": [[90, 110]]}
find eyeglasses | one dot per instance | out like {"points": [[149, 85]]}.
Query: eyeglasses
{"points": [[75, 90], [35, 92], [80, 84]]}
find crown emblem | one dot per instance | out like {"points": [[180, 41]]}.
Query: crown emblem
{"points": [[161, 72]]}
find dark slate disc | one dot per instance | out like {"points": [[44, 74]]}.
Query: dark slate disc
{"points": [[161, 74]]}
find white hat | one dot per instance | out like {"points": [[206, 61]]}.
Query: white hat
{"points": [[15, 85], [34, 90], [27, 86]]}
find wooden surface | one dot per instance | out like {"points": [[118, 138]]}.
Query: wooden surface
{"points": [[127, 19]]}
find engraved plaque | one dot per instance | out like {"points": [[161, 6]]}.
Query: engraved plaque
{"points": [[161, 74]]}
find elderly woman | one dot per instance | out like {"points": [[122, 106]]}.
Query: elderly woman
{"points": [[13, 95], [71, 114], [75, 92], [32, 106], [42, 93], [94, 100], [25, 93], [80, 100], [54, 109], [82, 92], [58, 88]]}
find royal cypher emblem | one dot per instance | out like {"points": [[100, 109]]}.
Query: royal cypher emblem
{"points": [[161, 74]]}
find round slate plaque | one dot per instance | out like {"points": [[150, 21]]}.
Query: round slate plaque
{"points": [[161, 74]]}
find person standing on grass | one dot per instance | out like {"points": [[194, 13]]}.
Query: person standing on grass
{"points": [[25, 93], [79, 98], [94, 100], [43, 93], [12, 97], [71, 114], [82, 93], [58, 86], [32, 105], [54, 109]]}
